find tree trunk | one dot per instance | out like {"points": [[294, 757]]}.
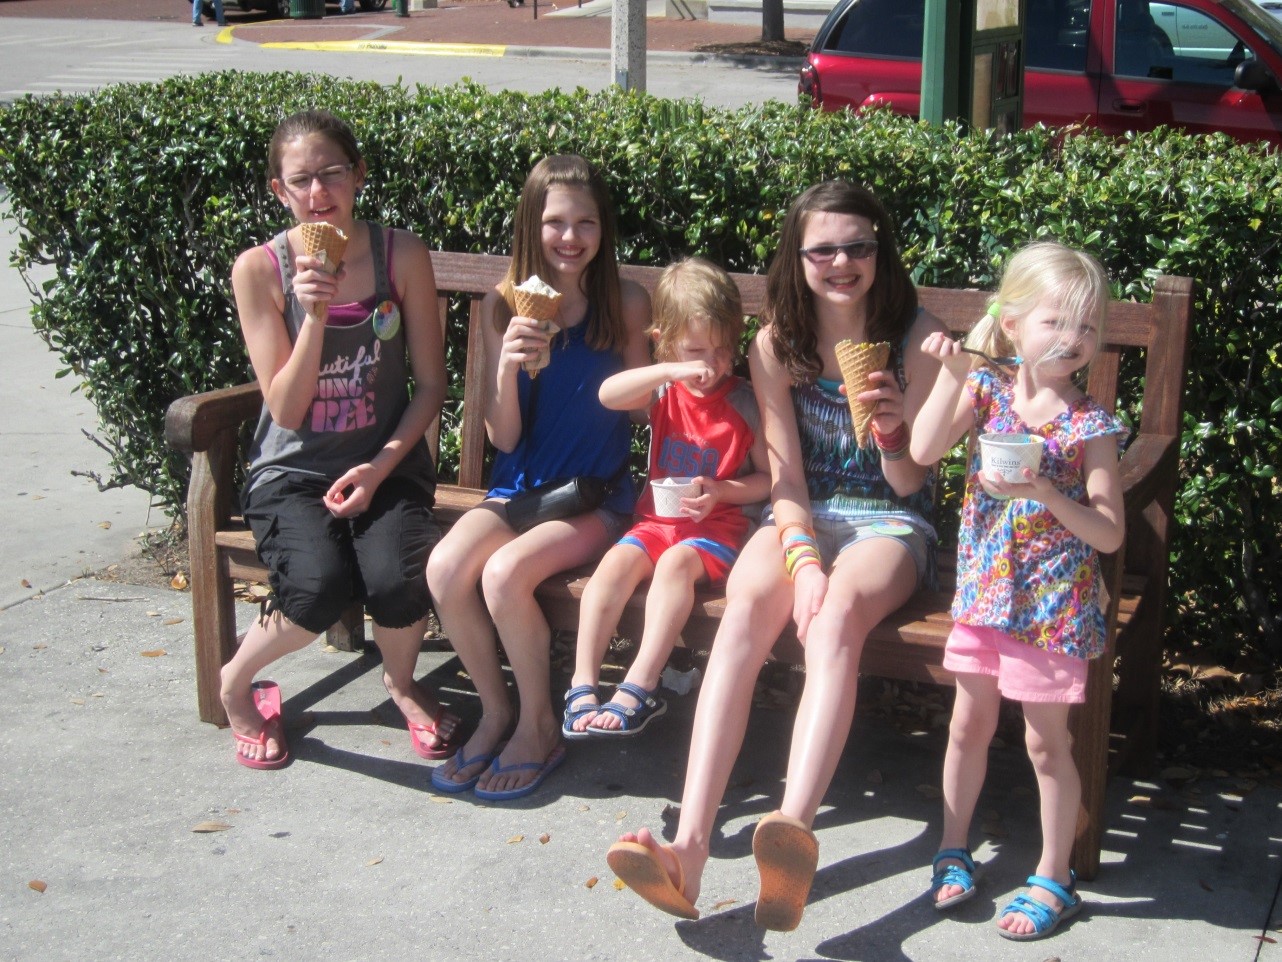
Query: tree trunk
{"points": [[771, 19]]}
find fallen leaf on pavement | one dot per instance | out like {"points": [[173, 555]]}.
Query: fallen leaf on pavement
{"points": [[620, 885], [155, 653], [153, 614], [591, 882], [544, 838], [26, 583], [373, 861], [37, 885], [172, 621], [105, 525], [516, 838], [723, 903], [77, 701], [205, 827], [39, 647], [179, 581]]}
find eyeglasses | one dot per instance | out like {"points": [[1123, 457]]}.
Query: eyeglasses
{"points": [[827, 253], [329, 177]]}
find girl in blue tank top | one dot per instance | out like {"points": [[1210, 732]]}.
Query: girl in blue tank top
{"points": [[547, 427]]}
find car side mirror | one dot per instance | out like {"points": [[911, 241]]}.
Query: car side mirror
{"points": [[1252, 75]]}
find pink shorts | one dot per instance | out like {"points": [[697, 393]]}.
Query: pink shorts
{"points": [[717, 542], [1023, 673]]}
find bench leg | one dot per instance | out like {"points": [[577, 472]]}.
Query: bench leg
{"points": [[348, 633], [1089, 724], [214, 627]]}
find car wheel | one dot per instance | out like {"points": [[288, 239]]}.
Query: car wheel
{"points": [[368, 5], [273, 9]]}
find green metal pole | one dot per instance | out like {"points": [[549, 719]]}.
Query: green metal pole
{"points": [[402, 8], [939, 61]]}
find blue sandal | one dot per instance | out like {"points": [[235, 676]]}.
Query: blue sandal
{"points": [[573, 714], [962, 875], [1044, 918], [634, 720]]}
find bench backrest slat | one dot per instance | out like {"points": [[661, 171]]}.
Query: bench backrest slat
{"points": [[1157, 329]]}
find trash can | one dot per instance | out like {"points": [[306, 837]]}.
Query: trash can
{"points": [[306, 9]]}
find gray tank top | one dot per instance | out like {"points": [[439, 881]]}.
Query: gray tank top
{"points": [[361, 392]]}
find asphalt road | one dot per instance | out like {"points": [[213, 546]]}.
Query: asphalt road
{"points": [[62, 45]]}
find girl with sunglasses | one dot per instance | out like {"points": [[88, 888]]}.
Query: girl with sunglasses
{"points": [[847, 540]]}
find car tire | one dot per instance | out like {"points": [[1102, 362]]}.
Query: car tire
{"points": [[273, 9], [371, 5]]}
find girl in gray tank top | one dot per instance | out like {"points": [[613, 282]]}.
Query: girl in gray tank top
{"points": [[340, 483]]}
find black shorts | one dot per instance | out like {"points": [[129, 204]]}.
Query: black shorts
{"points": [[320, 564]]}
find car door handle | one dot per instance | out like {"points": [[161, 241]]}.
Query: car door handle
{"points": [[1129, 106]]}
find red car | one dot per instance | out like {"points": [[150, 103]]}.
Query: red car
{"points": [[1118, 65]]}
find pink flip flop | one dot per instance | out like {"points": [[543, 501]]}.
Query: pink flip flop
{"points": [[423, 745], [267, 698]]}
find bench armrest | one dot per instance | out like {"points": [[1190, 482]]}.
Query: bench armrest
{"points": [[1151, 460], [193, 423]]}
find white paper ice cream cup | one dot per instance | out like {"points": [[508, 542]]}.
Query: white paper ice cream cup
{"points": [[668, 493]]}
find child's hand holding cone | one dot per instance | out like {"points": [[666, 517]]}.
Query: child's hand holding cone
{"points": [[858, 361], [539, 302], [327, 243]]}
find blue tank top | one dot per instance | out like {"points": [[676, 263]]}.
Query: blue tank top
{"points": [[566, 431]]}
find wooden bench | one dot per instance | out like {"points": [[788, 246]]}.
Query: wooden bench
{"points": [[906, 646]]}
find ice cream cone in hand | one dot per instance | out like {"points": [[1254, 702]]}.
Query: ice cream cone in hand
{"points": [[326, 242], [858, 361], [538, 301]]}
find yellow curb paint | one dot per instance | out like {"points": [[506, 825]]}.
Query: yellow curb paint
{"points": [[392, 46], [224, 35]]}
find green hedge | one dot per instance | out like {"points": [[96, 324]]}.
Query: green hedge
{"points": [[141, 196]]}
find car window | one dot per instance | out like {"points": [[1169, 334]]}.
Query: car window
{"points": [[880, 28], [1167, 41], [1056, 34]]}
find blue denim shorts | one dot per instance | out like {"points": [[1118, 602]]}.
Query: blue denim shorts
{"points": [[835, 535]]}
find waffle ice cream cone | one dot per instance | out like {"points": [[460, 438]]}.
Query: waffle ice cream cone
{"points": [[536, 300], [326, 242], [857, 362]]}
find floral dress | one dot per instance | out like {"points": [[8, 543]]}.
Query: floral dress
{"points": [[1018, 569]]}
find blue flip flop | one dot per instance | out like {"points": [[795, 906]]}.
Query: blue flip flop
{"points": [[574, 714], [1044, 918], [450, 787], [544, 769], [633, 720], [960, 875]]}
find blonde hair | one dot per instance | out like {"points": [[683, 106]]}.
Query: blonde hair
{"points": [[1044, 272], [695, 292]]}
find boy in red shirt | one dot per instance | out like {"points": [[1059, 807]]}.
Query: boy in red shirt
{"points": [[704, 425]]}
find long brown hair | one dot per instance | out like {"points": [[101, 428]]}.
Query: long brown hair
{"points": [[789, 308], [606, 329]]}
